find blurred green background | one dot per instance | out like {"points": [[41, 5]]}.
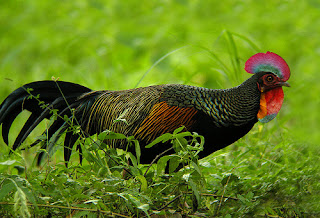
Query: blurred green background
{"points": [[124, 44], [112, 44]]}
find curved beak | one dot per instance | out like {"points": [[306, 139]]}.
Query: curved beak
{"points": [[284, 84]]}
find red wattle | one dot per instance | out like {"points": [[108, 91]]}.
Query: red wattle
{"points": [[270, 104], [274, 99]]}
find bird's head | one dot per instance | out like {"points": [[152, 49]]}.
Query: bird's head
{"points": [[273, 73], [269, 81]]}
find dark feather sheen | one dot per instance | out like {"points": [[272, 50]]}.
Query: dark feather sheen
{"points": [[221, 116]]}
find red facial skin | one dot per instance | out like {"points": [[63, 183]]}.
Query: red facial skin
{"points": [[272, 95]]}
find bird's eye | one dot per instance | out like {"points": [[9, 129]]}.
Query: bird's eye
{"points": [[269, 78]]}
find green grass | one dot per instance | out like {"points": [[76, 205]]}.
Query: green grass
{"points": [[272, 171]]}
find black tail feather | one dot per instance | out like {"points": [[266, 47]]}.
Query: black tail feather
{"points": [[57, 128], [69, 142], [51, 142], [80, 153], [25, 131], [59, 104], [11, 106], [6, 124], [40, 98]]}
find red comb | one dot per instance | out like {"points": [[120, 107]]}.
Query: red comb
{"points": [[268, 62]]}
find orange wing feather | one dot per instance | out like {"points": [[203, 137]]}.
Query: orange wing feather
{"points": [[163, 119]]}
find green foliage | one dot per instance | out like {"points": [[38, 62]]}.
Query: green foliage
{"points": [[273, 171], [252, 180], [106, 184]]}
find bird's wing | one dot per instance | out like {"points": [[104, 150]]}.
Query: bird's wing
{"points": [[163, 119], [117, 111], [138, 112]]}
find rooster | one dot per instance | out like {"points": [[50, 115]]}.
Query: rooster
{"points": [[222, 116]]}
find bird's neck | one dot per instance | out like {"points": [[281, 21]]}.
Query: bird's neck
{"points": [[235, 106]]}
